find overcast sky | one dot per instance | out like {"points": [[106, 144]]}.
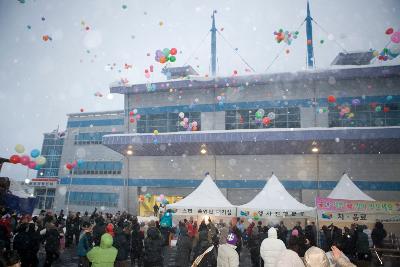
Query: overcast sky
{"points": [[43, 81]]}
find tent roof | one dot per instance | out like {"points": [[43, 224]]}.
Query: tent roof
{"points": [[274, 197], [346, 189], [206, 195]]}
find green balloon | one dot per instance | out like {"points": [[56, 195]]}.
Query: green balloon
{"points": [[172, 58], [166, 52], [258, 115]]}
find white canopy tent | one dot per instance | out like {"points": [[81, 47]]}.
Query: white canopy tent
{"points": [[346, 189], [206, 199], [274, 200]]}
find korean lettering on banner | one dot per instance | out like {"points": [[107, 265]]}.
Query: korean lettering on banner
{"points": [[347, 217], [357, 206]]}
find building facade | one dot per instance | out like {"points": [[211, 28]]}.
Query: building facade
{"points": [[320, 124]]}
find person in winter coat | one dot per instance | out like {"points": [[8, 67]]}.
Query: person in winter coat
{"points": [[282, 232], [362, 245], [238, 233], [271, 248], [137, 237], [69, 226], [315, 257], [85, 244], [153, 245], [34, 245], [52, 245], [202, 243], [289, 258], [98, 230], [254, 247], [110, 229], [21, 244], [227, 255], [121, 243], [184, 248], [105, 254], [297, 243], [378, 235]]}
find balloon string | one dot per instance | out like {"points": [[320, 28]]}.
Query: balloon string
{"points": [[283, 49], [326, 32], [198, 47], [235, 51]]}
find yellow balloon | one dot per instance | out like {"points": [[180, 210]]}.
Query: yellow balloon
{"points": [[41, 160], [19, 148], [155, 132]]}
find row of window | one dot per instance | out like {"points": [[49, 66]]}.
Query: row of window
{"points": [[45, 198], [48, 172], [92, 199], [366, 116], [90, 138], [166, 122], [99, 167]]}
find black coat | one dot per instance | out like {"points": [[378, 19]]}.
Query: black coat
{"points": [[98, 230], [136, 242], [153, 248], [184, 248], [52, 238], [121, 243], [378, 235]]}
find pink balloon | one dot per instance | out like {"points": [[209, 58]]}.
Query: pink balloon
{"points": [[25, 160], [147, 75], [32, 164], [395, 38]]}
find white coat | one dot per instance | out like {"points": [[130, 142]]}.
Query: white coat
{"points": [[289, 258], [227, 256], [271, 248]]}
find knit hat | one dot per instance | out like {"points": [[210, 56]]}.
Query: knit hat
{"points": [[295, 232], [231, 239]]}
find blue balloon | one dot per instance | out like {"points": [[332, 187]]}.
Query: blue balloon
{"points": [[38, 167], [35, 153], [80, 162]]}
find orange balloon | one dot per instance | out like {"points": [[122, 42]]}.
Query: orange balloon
{"points": [[163, 59], [194, 128], [45, 38]]}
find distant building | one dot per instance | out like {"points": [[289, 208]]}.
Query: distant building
{"points": [[308, 143]]}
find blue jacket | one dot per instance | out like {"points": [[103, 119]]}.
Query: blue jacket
{"points": [[85, 244]]}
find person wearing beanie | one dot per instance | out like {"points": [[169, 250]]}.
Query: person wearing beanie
{"points": [[289, 258], [227, 255], [85, 244], [315, 257], [271, 248], [105, 254], [297, 243], [110, 229]]}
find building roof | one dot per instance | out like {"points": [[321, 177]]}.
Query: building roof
{"points": [[249, 80], [353, 58], [362, 140]]}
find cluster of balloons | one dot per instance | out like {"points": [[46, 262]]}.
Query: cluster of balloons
{"points": [[34, 161], [285, 36], [192, 126], [46, 38], [147, 71], [266, 120], [392, 50], [166, 55], [345, 111], [221, 99], [72, 165], [98, 94], [134, 114], [162, 199]]}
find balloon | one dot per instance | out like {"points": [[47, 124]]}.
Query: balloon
{"points": [[158, 199], [266, 120], [38, 167], [219, 98], [181, 115], [389, 98], [162, 196], [41, 160], [395, 38], [148, 195], [31, 164], [166, 52], [155, 132], [80, 162], [389, 31], [163, 59], [271, 115], [151, 68], [25, 160], [378, 109], [131, 120], [185, 120], [69, 166], [130, 113], [19, 148], [35, 153], [173, 51], [331, 99], [147, 75], [172, 58], [355, 102], [182, 123], [194, 128], [261, 111], [386, 109], [194, 124], [138, 116], [135, 111], [14, 159]]}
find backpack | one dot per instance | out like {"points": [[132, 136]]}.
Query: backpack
{"points": [[21, 242]]}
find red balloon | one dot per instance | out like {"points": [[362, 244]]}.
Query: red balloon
{"points": [[32, 164], [25, 159], [132, 120], [386, 109], [266, 120], [331, 99], [130, 113], [69, 166], [173, 51], [81, 109], [15, 159], [389, 31], [235, 72]]}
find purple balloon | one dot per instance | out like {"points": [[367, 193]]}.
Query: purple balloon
{"points": [[159, 53], [356, 102]]}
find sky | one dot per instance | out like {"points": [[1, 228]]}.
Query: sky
{"points": [[42, 81]]}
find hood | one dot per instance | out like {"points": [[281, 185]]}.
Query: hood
{"points": [[272, 233], [153, 233], [106, 241], [315, 257], [289, 258]]}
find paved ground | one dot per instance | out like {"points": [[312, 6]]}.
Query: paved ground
{"points": [[68, 259]]}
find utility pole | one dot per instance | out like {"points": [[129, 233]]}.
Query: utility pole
{"points": [[310, 48], [213, 46]]}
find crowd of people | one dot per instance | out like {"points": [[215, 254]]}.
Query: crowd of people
{"points": [[106, 240]]}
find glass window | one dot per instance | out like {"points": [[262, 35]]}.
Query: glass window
{"points": [[166, 122]]}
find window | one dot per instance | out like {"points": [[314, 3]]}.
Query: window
{"points": [[166, 122], [92, 199], [91, 138], [99, 167], [45, 197], [366, 115], [246, 119]]}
